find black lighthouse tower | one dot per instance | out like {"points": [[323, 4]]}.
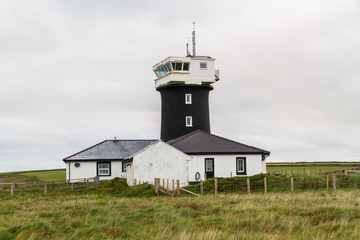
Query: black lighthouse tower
{"points": [[184, 84]]}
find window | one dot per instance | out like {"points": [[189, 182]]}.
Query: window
{"points": [[123, 167], [188, 98], [203, 65], [186, 66], [104, 169], [188, 121], [240, 166]]}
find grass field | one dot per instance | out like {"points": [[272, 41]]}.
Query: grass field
{"points": [[34, 176], [115, 211], [227, 216], [313, 167]]}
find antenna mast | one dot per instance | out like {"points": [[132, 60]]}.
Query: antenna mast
{"points": [[193, 40]]}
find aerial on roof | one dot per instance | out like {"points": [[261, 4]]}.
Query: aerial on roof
{"points": [[110, 150], [200, 142]]}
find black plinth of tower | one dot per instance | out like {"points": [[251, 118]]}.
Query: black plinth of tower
{"points": [[174, 109]]}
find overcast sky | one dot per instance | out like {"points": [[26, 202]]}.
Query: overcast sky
{"points": [[74, 73]]}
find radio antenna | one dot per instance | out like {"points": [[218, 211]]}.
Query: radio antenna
{"points": [[193, 40]]}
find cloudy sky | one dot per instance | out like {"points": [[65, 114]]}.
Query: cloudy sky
{"points": [[74, 73]]}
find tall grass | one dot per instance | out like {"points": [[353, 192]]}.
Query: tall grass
{"points": [[228, 216]]}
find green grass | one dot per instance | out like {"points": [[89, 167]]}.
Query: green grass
{"points": [[227, 216], [34, 176], [298, 168]]}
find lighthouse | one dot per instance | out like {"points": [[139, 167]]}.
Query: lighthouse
{"points": [[184, 84]]}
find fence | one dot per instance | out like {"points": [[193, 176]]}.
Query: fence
{"points": [[45, 186], [261, 184], [314, 171]]}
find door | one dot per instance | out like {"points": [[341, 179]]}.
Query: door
{"points": [[209, 167]]}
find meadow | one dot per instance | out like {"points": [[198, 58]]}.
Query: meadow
{"points": [[115, 211], [92, 215]]}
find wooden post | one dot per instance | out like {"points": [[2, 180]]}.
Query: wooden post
{"points": [[320, 171], [45, 188], [157, 183], [163, 183], [334, 183], [173, 186], [248, 185], [292, 185], [205, 177], [72, 186], [304, 171], [135, 181], [215, 180], [178, 187], [265, 185], [87, 183], [327, 183], [84, 181], [230, 174], [12, 189], [346, 172], [1, 181], [308, 172], [201, 188], [167, 184]]}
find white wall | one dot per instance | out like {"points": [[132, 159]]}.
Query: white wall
{"points": [[224, 164], [160, 160], [88, 169]]}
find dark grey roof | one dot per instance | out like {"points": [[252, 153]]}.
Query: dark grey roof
{"points": [[110, 150], [200, 142]]}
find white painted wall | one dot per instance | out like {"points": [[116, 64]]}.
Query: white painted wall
{"points": [[88, 169], [224, 164], [159, 160]]}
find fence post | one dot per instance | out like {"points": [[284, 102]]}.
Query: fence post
{"points": [[304, 171], [327, 183], [334, 183], [292, 185], [167, 184], [205, 177], [230, 174], [45, 188], [163, 183], [87, 183], [346, 172], [1, 181], [97, 180], [215, 180], [72, 186], [178, 187], [201, 188], [173, 186], [157, 183], [308, 172], [320, 171], [12, 189], [248, 185], [265, 185]]}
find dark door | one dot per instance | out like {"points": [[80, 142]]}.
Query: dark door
{"points": [[209, 167]]}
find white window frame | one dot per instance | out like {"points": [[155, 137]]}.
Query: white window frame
{"points": [[108, 169], [186, 98], [186, 121], [239, 170], [205, 68]]}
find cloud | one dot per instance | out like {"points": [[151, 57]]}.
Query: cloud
{"points": [[76, 73]]}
